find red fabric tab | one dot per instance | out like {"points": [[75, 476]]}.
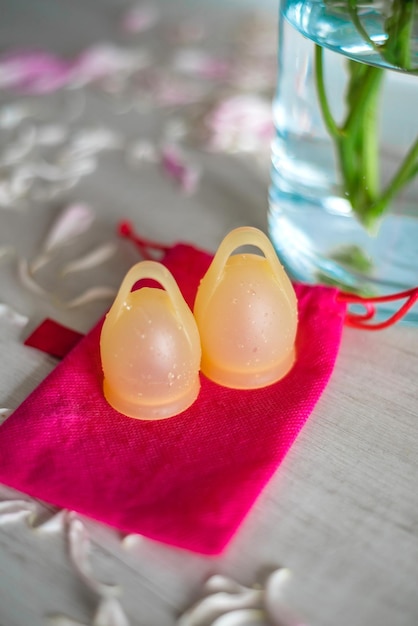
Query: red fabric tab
{"points": [[190, 480], [53, 338]]}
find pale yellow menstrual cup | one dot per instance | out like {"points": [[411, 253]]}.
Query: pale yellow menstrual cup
{"points": [[150, 347], [246, 312]]}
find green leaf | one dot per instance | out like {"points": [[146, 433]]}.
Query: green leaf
{"points": [[353, 257]]}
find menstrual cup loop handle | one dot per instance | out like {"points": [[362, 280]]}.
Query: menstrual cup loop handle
{"points": [[147, 270], [243, 236]]}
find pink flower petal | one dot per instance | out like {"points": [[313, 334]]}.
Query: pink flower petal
{"points": [[242, 122], [186, 31], [139, 18], [178, 169], [199, 63], [106, 59], [34, 72], [74, 220]]}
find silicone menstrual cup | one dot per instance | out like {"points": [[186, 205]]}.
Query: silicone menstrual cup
{"points": [[246, 312], [150, 347]]}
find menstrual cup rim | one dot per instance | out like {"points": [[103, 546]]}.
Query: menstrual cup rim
{"points": [[151, 411], [247, 380]]}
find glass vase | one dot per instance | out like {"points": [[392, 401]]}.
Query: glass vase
{"points": [[344, 187]]}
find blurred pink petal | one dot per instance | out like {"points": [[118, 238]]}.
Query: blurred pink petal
{"points": [[101, 292], [254, 75], [187, 31], [106, 59], [34, 72], [9, 314], [240, 123], [74, 220], [199, 63], [41, 72], [95, 257], [27, 279], [139, 18], [176, 167], [172, 91]]}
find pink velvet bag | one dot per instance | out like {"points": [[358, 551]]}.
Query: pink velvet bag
{"points": [[188, 481]]}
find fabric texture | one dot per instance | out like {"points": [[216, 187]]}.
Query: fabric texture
{"points": [[188, 481]]}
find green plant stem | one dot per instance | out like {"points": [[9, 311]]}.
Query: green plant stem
{"points": [[397, 49], [353, 12], [406, 172], [399, 28], [357, 141], [329, 121], [359, 145]]}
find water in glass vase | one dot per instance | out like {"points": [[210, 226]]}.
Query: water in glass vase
{"points": [[344, 190]]}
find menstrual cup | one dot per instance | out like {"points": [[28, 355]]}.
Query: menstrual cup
{"points": [[150, 347], [246, 312]]}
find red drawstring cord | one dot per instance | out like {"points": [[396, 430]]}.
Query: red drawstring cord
{"points": [[355, 320], [361, 320], [125, 229]]}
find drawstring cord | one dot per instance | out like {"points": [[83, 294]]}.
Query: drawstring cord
{"points": [[145, 246], [364, 320]]}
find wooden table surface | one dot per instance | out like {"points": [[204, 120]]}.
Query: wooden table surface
{"points": [[342, 511]]}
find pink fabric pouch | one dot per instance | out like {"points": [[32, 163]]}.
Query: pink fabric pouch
{"points": [[188, 481]]}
